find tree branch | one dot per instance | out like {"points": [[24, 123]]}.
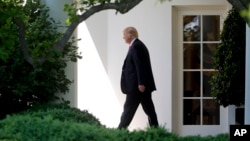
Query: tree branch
{"points": [[122, 7], [23, 44]]}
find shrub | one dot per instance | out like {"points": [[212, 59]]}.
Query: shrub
{"points": [[63, 123], [28, 128], [62, 112], [229, 83], [152, 134]]}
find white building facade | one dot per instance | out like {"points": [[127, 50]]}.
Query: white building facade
{"points": [[180, 36]]}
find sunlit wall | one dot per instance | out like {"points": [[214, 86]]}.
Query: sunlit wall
{"points": [[95, 93]]}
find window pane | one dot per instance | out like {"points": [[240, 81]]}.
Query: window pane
{"points": [[208, 54], [191, 28], [200, 41], [211, 32], [211, 112], [191, 57], [207, 75], [192, 112], [192, 84]]}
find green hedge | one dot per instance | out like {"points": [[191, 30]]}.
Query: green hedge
{"points": [[28, 128], [53, 123], [62, 112]]}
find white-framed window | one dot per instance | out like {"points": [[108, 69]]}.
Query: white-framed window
{"points": [[196, 37], [200, 40]]}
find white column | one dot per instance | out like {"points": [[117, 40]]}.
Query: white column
{"points": [[247, 89]]}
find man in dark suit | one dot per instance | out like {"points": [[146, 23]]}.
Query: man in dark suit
{"points": [[137, 80]]}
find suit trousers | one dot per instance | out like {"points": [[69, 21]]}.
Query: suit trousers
{"points": [[131, 104]]}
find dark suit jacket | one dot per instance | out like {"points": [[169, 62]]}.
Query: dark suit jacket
{"points": [[137, 70]]}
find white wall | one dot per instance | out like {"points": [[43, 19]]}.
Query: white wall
{"points": [[97, 25]]}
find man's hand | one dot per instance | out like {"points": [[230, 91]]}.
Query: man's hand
{"points": [[141, 88]]}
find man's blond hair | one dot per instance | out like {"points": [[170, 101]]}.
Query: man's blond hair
{"points": [[131, 31]]}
